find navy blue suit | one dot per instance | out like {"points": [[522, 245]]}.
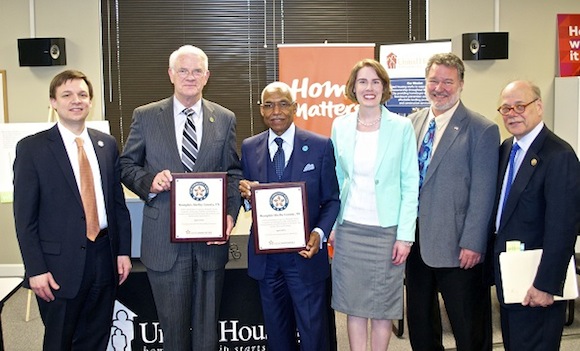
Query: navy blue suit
{"points": [[301, 300], [51, 230], [542, 211]]}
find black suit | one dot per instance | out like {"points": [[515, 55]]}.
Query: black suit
{"points": [[542, 211], [51, 231]]}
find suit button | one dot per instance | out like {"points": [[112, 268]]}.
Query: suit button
{"points": [[83, 247]]}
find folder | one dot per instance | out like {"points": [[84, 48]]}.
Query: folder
{"points": [[518, 271]]}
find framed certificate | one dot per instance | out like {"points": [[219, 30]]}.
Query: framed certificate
{"points": [[280, 217], [198, 207]]}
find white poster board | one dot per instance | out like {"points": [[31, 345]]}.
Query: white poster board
{"points": [[10, 135]]}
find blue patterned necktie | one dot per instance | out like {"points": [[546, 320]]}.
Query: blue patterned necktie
{"points": [[279, 158], [425, 151], [189, 147], [511, 171]]}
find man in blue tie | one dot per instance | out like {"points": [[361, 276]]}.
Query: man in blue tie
{"points": [[292, 285], [538, 206], [458, 171]]}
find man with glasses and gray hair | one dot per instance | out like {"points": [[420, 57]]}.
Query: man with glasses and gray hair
{"points": [[537, 208], [182, 133]]}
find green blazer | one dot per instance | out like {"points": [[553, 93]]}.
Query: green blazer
{"points": [[396, 170]]}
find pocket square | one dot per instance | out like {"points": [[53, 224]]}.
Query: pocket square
{"points": [[308, 167]]}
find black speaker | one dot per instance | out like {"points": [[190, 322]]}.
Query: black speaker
{"points": [[485, 46], [42, 52]]}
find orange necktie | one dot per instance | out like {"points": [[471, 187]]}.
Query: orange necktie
{"points": [[88, 193]]}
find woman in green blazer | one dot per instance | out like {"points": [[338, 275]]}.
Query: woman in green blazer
{"points": [[377, 171]]}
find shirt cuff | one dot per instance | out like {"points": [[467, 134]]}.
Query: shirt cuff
{"points": [[321, 233]]}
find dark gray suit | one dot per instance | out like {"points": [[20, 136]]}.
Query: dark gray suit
{"points": [[455, 205], [150, 148]]}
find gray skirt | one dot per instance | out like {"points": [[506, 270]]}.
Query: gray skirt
{"points": [[365, 283]]}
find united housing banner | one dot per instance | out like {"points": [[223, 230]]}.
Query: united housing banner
{"points": [[317, 73]]}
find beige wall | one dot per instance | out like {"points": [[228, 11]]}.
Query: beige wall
{"points": [[533, 34], [532, 51], [27, 87]]}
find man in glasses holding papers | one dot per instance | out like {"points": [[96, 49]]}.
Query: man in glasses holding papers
{"points": [[292, 284], [537, 208]]}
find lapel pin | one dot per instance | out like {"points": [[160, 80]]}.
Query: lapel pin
{"points": [[100, 143], [534, 162], [456, 128], [211, 119], [305, 148]]}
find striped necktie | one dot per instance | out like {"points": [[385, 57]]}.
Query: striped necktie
{"points": [[189, 146]]}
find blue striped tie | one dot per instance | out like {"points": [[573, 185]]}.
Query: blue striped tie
{"points": [[189, 147]]}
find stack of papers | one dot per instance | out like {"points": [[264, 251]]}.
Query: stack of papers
{"points": [[518, 270]]}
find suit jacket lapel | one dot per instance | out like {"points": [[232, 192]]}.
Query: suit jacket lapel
{"points": [[345, 147], [261, 155], [453, 129], [209, 129], [102, 160], [56, 145], [300, 148], [524, 174], [167, 121], [385, 138]]}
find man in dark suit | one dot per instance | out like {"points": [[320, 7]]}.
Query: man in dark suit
{"points": [[540, 209], [293, 285], [186, 278], [75, 249], [455, 206]]}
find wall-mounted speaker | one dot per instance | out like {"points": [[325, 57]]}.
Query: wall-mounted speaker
{"points": [[42, 52], [485, 46]]}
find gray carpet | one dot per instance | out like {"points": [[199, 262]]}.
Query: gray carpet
{"points": [[20, 335]]}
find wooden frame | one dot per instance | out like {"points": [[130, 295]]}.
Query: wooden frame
{"points": [[3, 98], [198, 207]]}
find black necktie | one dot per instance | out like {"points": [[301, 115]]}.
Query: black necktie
{"points": [[279, 158]]}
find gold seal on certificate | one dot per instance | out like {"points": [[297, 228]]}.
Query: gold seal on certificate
{"points": [[198, 211], [279, 217]]}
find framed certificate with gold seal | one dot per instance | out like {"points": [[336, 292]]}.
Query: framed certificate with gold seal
{"points": [[280, 217], [198, 207]]}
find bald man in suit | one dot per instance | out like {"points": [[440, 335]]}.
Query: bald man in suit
{"points": [[186, 278], [541, 210], [293, 285]]}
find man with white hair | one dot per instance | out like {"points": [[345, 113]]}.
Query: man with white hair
{"points": [[182, 133]]}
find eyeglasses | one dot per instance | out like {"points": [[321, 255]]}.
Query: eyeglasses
{"points": [[184, 73], [282, 105], [520, 108]]}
